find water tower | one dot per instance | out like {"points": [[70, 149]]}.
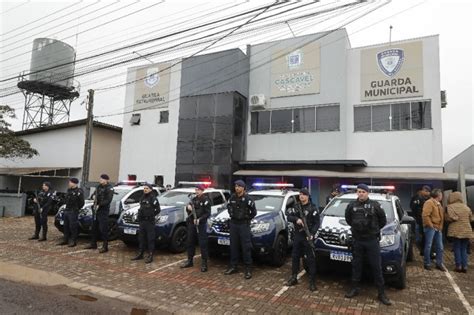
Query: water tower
{"points": [[49, 87]]}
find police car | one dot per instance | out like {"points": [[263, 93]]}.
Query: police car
{"points": [[170, 224], [271, 232], [126, 195], [396, 243]]}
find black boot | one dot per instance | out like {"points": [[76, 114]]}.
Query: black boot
{"points": [[292, 281], [149, 258], [312, 285], [384, 299], [248, 273], [43, 237], [72, 244], [138, 256], [203, 265], [187, 264], [354, 291], [34, 237], [105, 248], [91, 246], [231, 270], [63, 242]]}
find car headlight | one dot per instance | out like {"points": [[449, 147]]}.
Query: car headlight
{"points": [[260, 227], [160, 219], [387, 240]]}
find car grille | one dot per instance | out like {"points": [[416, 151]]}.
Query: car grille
{"points": [[130, 218], [332, 237], [221, 226]]}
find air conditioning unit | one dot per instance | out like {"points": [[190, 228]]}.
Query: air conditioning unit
{"points": [[444, 100], [257, 101]]}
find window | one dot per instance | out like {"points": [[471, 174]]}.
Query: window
{"points": [[164, 116], [397, 116], [227, 195], [281, 121], [136, 196], [135, 119], [304, 120], [327, 118], [399, 208], [216, 198], [159, 180], [260, 122]]}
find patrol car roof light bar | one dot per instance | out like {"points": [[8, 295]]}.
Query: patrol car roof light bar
{"points": [[371, 188], [182, 183], [277, 185]]}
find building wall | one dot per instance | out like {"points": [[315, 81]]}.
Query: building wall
{"points": [[466, 158], [289, 146], [105, 154], [398, 150], [149, 149]]}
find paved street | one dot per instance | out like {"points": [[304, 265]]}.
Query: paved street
{"points": [[171, 289]]}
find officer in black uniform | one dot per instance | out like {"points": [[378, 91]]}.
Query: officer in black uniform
{"points": [[149, 208], [301, 241], [197, 228], [241, 211], [43, 203], [74, 202], [102, 198], [334, 193], [366, 217], [416, 205]]}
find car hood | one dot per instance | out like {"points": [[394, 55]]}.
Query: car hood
{"points": [[134, 210], [261, 215], [339, 224]]}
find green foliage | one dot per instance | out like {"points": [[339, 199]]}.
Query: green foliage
{"points": [[11, 146]]}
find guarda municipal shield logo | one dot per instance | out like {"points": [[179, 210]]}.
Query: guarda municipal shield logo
{"points": [[390, 61], [152, 77]]}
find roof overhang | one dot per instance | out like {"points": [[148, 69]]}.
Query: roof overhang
{"points": [[307, 163], [56, 172]]}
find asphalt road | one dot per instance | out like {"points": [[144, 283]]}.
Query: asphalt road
{"points": [[22, 298]]}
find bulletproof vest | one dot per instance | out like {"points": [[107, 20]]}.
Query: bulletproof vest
{"points": [[147, 210], [101, 192], [43, 197], [239, 206], [200, 206], [73, 198], [363, 218]]}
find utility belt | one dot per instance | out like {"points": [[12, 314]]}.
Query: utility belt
{"points": [[146, 218], [71, 210], [240, 221]]}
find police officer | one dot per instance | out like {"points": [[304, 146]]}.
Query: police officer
{"points": [[43, 203], [416, 205], [241, 211], [149, 208], [308, 211], [102, 196], [74, 202], [334, 193], [366, 218], [197, 228]]}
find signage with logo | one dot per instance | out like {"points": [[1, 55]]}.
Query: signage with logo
{"points": [[152, 86], [296, 72], [392, 71]]}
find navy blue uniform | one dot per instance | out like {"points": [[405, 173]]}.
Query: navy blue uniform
{"points": [[45, 200], [100, 225], [300, 242], [366, 219], [241, 211], [74, 202], [202, 206], [149, 208]]}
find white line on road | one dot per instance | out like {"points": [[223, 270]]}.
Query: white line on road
{"points": [[285, 288], [461, 296], [172, 264], [86, 250]]}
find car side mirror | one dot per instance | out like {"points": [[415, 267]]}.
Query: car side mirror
{"points": [[129, 201], [407, 220]]}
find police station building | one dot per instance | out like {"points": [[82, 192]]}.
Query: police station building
{"points": [[309, 110]]}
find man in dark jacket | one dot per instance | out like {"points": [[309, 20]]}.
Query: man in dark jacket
{"points": [[241, 211], [416, 206], [102, 196], [43, 203], [301, 212], [200, 206], [74, 202], [149, 208], [366, 217]]}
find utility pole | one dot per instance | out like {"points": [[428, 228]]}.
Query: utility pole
{"points": [[88, 143]]}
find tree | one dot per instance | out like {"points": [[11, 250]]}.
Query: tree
{"points": [[11, 146]]}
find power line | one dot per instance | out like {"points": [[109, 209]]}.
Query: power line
{"points": [[11, 9]]}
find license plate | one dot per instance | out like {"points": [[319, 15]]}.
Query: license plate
{"points": [[61, 222], [130, 231], [340, 256], [223, 241]]}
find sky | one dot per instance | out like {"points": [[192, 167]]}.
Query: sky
{"points": [[95, 26]]}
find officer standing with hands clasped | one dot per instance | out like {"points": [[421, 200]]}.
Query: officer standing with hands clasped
{"points": [[303, 211], [149, 208], [102, 198], [197, 227], [366, 217], [74, 202], [241, 211], [43, 202]]}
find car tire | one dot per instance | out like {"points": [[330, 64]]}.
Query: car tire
{"points": [[278, 256], [113, 228], [410, 251], [178, 239], [401, 280]]}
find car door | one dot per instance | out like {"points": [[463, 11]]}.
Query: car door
{"points": [[404, 228], [217, 200]]}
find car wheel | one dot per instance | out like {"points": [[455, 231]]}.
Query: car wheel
{"points": [[178, 239], [410, 251], [278, 257], [113, 229], [401, 280]]}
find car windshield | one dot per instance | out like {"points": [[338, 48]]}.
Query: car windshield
{"points": [[174, 198], [337, 208], [119, 194], [267, 203]]}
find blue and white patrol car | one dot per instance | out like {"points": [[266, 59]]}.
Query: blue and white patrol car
{"points": [[272, 235], [396, 242], [170, 224]]}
